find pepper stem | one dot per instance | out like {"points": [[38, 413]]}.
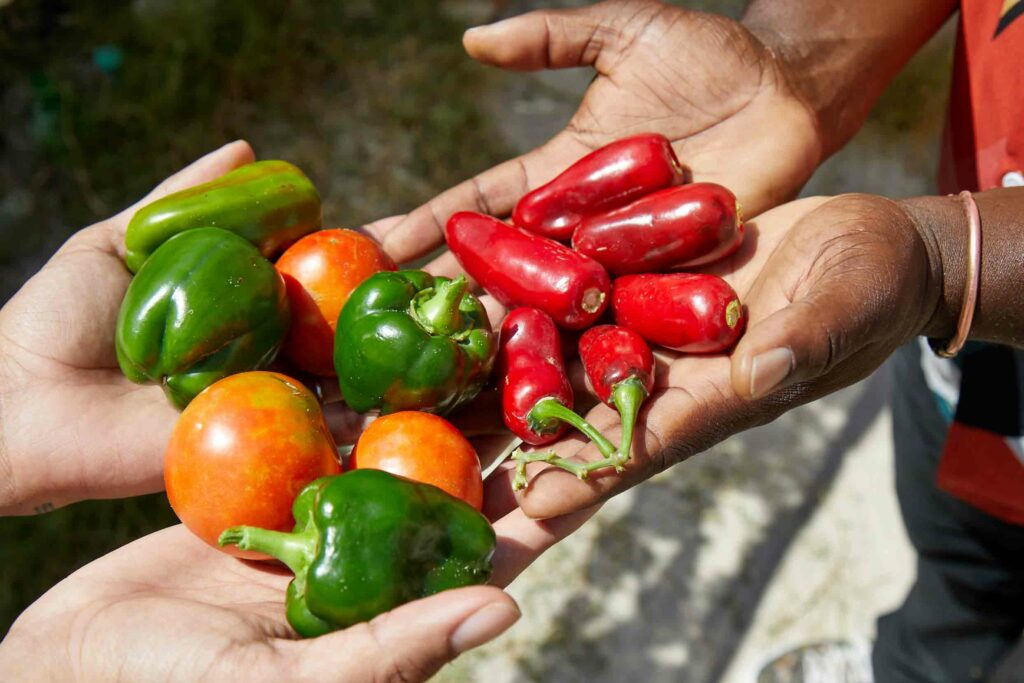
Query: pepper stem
{"points": [[439, 312], [549, 409], [522, 458], [295, 550], [628, 395]]}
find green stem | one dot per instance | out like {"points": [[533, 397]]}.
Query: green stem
{"points": [[522, 458], [550, 409], [439, 311], [628, 395], [295, 550]]}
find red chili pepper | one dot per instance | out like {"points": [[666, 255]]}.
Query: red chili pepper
{"points": [[681, 226], [522, 269], [609, 177], [536, 394], [620, 367], [688, 312]]}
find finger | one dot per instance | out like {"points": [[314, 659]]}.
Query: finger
{"points": [[554, 39], [408, 644], [378, 228], [493, 192], [446, 265], [829, 303], [522, 540], [204, 169]]}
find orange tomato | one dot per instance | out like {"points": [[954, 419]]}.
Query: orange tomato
{"points": [[320, 272], [425, 448], [242, 450]]}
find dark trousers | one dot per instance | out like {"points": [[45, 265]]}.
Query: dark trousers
{"points": [[965, 611]]}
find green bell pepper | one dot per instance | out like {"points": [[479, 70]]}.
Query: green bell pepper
{"points": [[205, 305], [409, 341], [366, 542], [269, 203]]}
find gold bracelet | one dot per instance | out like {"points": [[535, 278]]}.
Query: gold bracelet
{"points": [[963, 327]]}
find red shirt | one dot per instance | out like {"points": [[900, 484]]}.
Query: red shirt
{"points": [[985, 134], [983, 460]]}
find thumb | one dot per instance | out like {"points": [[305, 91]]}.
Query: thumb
{"points": [[552, 39], [409, 643], [804, 340]]}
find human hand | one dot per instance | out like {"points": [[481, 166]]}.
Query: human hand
{"points": [[170, 608], [73, 426], [831, 286], [702, 80]]}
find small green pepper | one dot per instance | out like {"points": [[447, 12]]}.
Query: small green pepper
{"points": [[269, 203], [204, 306], [409, 341], [366, 542]]}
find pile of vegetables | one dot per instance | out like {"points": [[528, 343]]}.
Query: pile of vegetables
{"points": [[252, 467]]}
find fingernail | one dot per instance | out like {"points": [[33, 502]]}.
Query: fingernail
{"points": [[486, 27], [487, 623], [769, 369]]}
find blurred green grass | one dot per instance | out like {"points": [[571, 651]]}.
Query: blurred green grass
{"points": [[376, 101]]}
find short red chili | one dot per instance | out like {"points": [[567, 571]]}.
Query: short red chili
{"points": [[689, 312], [536, 395], [620, 367], [679, 227], [519, 268], [608, 177]]}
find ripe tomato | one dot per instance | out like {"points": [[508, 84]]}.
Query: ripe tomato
{"points": [[320, 271], [425, 448], [242, 450]]}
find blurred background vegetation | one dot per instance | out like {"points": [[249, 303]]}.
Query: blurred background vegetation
{"points": [[100, 100]]}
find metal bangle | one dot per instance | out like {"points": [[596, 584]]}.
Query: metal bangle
{"points": [[963, 327]]}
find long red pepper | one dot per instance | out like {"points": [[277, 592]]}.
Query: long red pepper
{"points": [[608, 177], [689, 312], [522, 269], [536, 395], [682, 226]]}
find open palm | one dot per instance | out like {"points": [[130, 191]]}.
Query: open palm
{"points": [[701, 80], [169, 608], [73, 426], [834, 285]]}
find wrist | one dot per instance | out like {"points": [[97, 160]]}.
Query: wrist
{"points": [[942, 225], [817, 89]]}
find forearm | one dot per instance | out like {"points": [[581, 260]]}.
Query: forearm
{"points": [[943, 224], [842, 55]]}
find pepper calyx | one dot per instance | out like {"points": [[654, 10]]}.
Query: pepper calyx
{"points": [[437, 309]]}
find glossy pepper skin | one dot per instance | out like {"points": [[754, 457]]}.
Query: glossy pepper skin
{"points": [[269, 203], [519, 268], [536, 395], [205, 305], [620, 367], [607, 178], [679, 227], [366, 542], [531, 370], [688, 312], [409, 341]]}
